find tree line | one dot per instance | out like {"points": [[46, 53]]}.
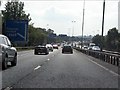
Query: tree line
{"points": [[15, 11], [109, 42]]}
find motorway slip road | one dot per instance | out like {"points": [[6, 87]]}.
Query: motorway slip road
{"points": [[58, 70]]}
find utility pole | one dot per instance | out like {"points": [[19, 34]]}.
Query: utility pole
{"points": [[73, 31], [69, 29], [83, 23], [73, 28], [0, 19], [46, 39], [119, 16], [103, 25]]}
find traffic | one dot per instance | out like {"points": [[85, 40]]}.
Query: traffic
{"points": [[54, 44]]}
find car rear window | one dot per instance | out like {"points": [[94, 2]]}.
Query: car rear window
{"points": [[0, 40], [68, 47]]}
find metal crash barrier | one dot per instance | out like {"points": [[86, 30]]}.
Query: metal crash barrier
{"points": [[104, 56]]}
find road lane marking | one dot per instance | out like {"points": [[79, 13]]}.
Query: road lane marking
{"points": [[37, 67], [53, 55], [48, 59], [104, 68]]}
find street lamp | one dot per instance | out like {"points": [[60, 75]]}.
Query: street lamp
{"points": [[46, 39], [83, 22], [69, 30], [103, 24], [73, 31], [73, 28], [47, 26]]}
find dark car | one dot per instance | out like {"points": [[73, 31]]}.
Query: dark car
{"points": [[8, 53], [41, 50], [67, 49]]}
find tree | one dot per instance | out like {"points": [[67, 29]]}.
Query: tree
{"points": [[37, 36], [14, 11], [97, 40], [50, 31], [112, 39]]}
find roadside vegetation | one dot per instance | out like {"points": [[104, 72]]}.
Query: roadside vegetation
{"points": [[37, 35], [110, 42]]}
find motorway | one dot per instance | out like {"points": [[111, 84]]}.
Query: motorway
{"points": [[58, 70]]}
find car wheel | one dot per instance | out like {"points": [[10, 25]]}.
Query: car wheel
{"points": [[4, 63], [46, 53], [35, 52], [14, 62]]}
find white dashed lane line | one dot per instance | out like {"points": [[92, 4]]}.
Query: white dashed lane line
{"points": [[37, 67], [104, 68], [48, 59]]}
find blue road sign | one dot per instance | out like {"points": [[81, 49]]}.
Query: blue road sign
{"points": [[17, 30]]}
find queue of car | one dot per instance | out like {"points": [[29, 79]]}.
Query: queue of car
{"points": [[45, 49], [8, 53], [91, 46]]}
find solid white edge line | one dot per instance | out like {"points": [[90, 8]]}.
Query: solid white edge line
{"points": [[8, 88], [37, 67], [104, 67]]}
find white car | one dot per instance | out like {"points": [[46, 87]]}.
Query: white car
{"points": [[7, 52], [96, 48], [50, 47], [85, 47]]}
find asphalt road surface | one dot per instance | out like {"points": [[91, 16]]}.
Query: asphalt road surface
{"points": [[58, 70]]}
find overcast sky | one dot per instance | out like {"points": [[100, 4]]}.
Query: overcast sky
{"points": [[60, 14]]}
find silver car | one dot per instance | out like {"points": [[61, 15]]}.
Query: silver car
{"points": [[7, 52], [50, 47], [96, 48]]}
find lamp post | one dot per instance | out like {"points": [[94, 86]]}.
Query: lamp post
{"points": [[83, 23], [46, 39], [69, 29], [0, 20], [73, 31], [119, 16], [73, 28], [47, 26], [103, 25]]}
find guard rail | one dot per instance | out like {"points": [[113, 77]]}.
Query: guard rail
{"points": [[111, 58]]}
